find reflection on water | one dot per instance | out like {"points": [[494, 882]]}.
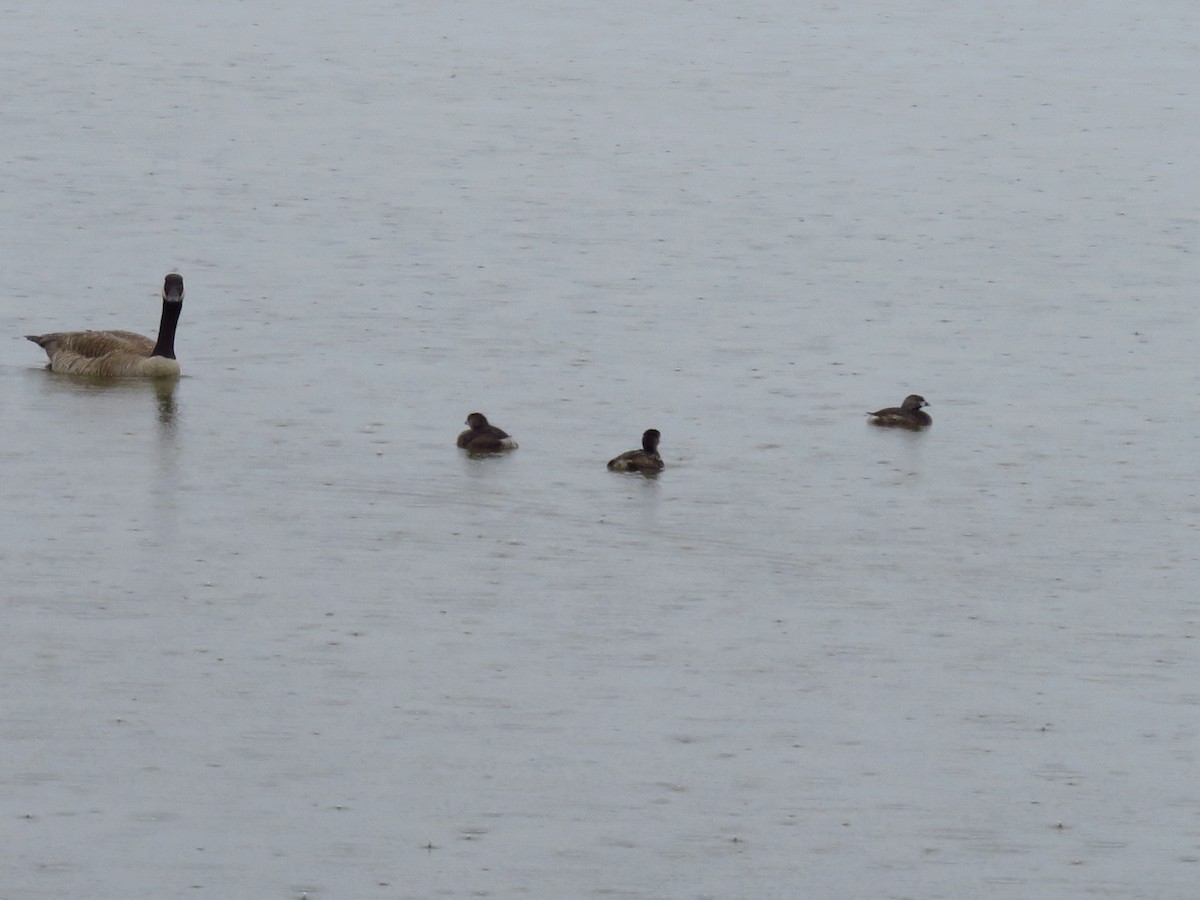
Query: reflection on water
{"points": [[164, 390], [107, 417]]}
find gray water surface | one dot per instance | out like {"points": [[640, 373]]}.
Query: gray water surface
{"points": [[269, 634]]}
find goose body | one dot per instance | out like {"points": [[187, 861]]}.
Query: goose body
{"points": [[484, 437], [646, 460], [119, 354], [907, 415]]}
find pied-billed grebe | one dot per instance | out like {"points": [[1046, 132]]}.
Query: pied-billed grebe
{"points": [[907, 415], [119, 354], [483, 437], [644, 460]]}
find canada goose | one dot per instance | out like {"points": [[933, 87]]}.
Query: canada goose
{"points": [[119, 353], [483, 437], [907, 415], [645, 460]]}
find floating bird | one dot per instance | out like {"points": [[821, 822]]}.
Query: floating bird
{"points": [[483, 437], [119, 354], [907, 415], [645, 460]]}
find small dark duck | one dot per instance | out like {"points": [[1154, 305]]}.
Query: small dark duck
{"points": [[483, 437], [907, 415], [645, 461]]}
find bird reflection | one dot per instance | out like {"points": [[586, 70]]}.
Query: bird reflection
{"points": [[164, 393], [137, 418], [125, 391]]}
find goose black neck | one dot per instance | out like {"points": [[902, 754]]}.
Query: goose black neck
{"points": [[166, 329]]}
